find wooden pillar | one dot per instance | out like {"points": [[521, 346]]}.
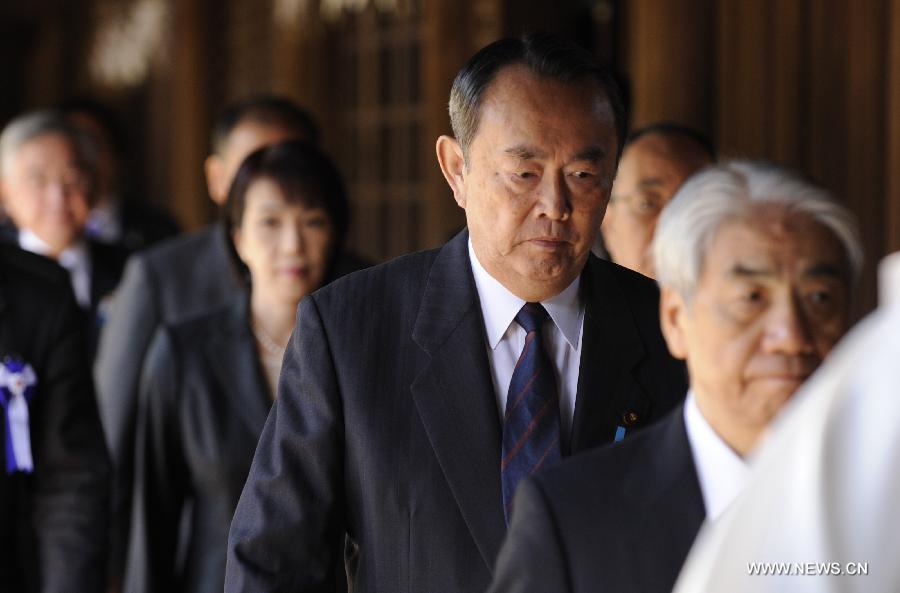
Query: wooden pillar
{"points": [[863, 153], [446, 46], [670, 58], [892, 128], [189, 115], [301, 66]]}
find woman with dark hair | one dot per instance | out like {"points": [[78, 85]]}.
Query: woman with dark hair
{"points": [[209, 381]]}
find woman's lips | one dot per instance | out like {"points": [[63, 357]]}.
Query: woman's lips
{"points": [[295, 271]]}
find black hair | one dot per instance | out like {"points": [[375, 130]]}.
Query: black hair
{"points": [[545, 54], [302, 172], [265, 109], [674, 130]]}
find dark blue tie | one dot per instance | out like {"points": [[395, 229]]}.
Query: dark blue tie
{"points": [[531, 422]]}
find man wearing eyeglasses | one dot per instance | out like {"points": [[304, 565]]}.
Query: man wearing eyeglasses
{"points": [[658, 158]]}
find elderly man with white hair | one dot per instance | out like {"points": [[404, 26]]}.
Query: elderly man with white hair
{"points": [[47, 190], [756, 268]]}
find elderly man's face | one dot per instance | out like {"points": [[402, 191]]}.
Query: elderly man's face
{"points": [[47, 191], [771, 303], [536, 181], [652, 169]]}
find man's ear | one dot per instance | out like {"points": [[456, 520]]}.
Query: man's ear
{"points": [[450, 157], [673, 312], [214, 169]]}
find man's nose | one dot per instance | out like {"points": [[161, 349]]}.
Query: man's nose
{"points": [[55, 193], [553, 200], [788, 329]]}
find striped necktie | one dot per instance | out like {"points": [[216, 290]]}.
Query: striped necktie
{"points": [[531, 422]]}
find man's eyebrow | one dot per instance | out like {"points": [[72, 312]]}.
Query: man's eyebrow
{"points": [[818, 270], [591, 153], [651, 182], [749, 271], [826, 270], [521, 152]]}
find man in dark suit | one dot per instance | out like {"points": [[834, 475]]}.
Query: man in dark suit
{"points": [[175, 279], [54, 484], [47, 183], [389, 423], [756, 268]]}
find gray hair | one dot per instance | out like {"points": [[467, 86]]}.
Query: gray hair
{"points": [[730, 191], [29, 126]]}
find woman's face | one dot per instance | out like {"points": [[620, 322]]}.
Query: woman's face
{"points": [[285, 245]]}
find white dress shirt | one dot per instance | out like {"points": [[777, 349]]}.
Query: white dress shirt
{"points": [[74, 259], [722, 472], [506, 338]]}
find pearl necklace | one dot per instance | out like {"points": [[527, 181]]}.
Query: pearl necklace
{"points": [[265, 340]]}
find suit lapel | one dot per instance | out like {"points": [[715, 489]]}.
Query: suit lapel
{"points": [[454, 395], [608, 394], [232, 354], [664, 497]]}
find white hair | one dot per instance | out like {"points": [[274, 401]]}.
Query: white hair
{"points": [[29, 126], [734, 190]]}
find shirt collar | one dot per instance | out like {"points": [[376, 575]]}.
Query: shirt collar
{"points": [[721, 471], [499, 306], [71, 257]]}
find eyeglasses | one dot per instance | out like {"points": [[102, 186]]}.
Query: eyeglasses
{"points": [[645, 205]]}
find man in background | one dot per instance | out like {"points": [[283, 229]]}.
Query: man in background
{"points": [[820, 514], [657, 159], [48, 187]]}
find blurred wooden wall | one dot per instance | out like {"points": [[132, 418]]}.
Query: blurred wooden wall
{"points": [[814, 84]]}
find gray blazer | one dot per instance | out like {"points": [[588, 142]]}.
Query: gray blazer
{"points": [[386, 426]]}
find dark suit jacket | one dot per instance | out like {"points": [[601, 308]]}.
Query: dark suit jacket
{"points": [[53, 522], [619, 519], [107, 264], [386, 426], [175, 279], [204, 401]]}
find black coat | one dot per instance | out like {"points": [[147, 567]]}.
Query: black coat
{"points": [[53, 522], [619, 519], [386, 426], [107, 263], [203, 404]]}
